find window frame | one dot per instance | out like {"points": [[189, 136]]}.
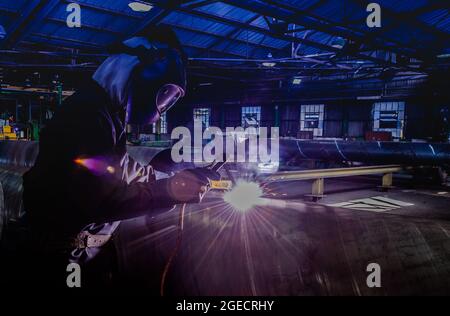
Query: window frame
{"points": [[253, 109], [319, 109]]}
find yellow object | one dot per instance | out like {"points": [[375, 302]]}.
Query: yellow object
{"points": [[221, 185], [8, 133]]}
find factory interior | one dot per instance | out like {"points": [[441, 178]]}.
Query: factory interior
{"points": [[357, 203]]}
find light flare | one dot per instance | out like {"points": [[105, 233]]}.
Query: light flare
{"points": [[97, 166], [244, 196]]}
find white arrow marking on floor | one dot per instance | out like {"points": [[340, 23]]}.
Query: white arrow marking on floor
{"points": [[395, 202], [374, 204]]}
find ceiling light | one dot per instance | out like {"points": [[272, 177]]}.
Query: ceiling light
{"points": [[269, 64], [140, 6], [297, 81]]}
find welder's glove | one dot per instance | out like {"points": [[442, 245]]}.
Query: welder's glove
{"points": [[189, 186]]}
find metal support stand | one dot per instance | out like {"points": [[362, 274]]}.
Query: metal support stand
{"points": [[317, 189], [386, 182]]}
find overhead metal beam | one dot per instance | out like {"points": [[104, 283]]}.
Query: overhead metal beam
{"points": [[190, 5], [434, 5], [219, 37], [291, 14], [288, 38], [103, 9], [87, 26], [64, 42], [316, 5], [194, 4], [298, 30], [8, 11], [217, 51], [398, 19], [237, 24], [431, 6], [33, 13], [154, 17], [231, 35]]}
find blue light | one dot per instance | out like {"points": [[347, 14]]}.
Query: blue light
{"points": [[2, 32]]}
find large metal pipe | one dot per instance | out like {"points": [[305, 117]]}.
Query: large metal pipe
{"points": [[23, 154], [367, 152]]}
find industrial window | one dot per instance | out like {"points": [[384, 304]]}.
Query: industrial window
{"points": [[389, 117], [203, 114], [311, 118], [251, 116], [162, 125]]}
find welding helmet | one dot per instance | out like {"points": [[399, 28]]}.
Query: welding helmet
{"points": [[158, 81], [154, 88]]}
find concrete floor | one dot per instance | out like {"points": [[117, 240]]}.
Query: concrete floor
{"points": [[298, 248]]}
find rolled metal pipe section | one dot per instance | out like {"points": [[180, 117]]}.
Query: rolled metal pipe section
{"points": [[367, 152], [18, 153], [22, 154], [16, 157]]}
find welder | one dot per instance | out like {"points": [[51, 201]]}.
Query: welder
{"points": [[84, 182]]}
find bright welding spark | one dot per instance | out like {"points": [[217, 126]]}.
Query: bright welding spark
{"points": [[244, 196], [110, 169]]}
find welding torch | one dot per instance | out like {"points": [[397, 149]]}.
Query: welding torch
{"points": [[219, 184]]}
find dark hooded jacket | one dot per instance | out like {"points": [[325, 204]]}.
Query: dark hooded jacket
{"points": [[62, 196]]}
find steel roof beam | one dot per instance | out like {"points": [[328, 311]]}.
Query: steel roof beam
{"points": [[220, 37], [217, 51], [152, 19], [231, 36], [406, 18], [87, 26], [197, 3], [102, 9], [316, 5], [65, 42], [287, 38], [297, 16], [8, 11], [435, 5], [237, 24], [33, 13], [432, 6]]}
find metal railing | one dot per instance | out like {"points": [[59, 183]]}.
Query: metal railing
{"points": [[319, 175]]}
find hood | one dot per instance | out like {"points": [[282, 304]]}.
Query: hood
{"points": [[114, 73]]}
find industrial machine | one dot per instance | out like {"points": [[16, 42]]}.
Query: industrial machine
{"points": [[7, 133]]}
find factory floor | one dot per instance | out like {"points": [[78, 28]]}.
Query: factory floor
{"points": [[295, 247]]}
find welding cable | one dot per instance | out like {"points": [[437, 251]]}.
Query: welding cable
{"points": [[175, 250]]}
